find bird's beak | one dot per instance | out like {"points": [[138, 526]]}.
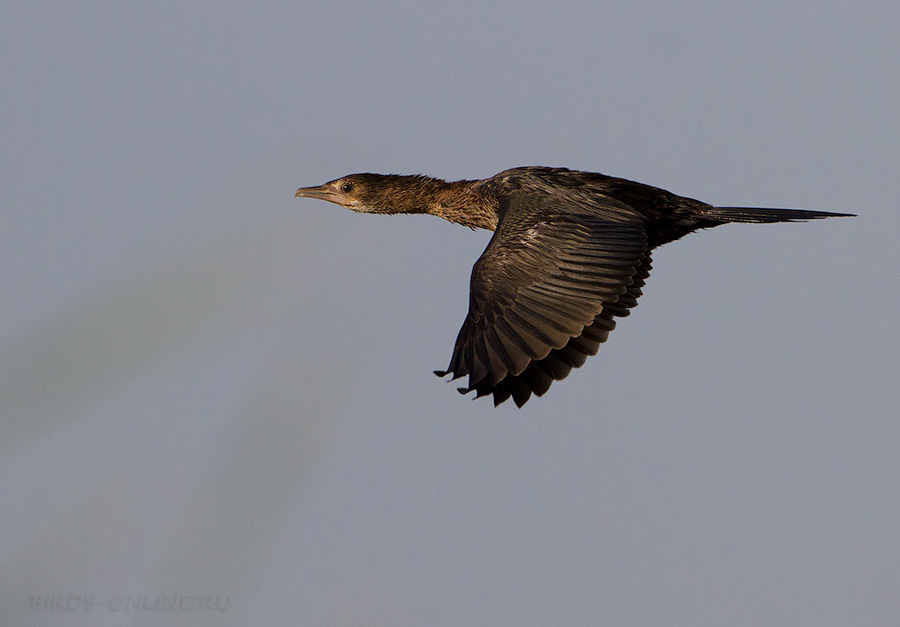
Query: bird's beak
{"points": [[322, 192]]}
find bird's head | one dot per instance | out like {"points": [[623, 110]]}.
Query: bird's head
{"points": [[366, 193]]}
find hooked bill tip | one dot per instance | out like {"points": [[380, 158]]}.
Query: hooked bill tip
{"points": [[308, 192]]}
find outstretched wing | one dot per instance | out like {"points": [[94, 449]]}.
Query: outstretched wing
{"points": [[545, 291]]}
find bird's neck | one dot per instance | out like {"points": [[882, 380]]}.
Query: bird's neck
{"points": [[462, 202]]}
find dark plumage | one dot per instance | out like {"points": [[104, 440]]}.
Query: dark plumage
{"points": [[570, 253]]}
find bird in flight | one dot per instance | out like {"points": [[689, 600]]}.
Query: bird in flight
{"points": [[570, 254]]}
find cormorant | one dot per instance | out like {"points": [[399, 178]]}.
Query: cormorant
{"points": [[569, 254]]}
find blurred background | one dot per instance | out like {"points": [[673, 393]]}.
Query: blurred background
{"points": [[216, 400]]}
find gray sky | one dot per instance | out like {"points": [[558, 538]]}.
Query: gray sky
{"points": [[208, 387]]}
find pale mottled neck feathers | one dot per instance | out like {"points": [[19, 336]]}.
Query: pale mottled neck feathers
{"points": [[456, 201]]}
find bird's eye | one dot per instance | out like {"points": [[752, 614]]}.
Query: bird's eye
{"points": [[346, 187]]}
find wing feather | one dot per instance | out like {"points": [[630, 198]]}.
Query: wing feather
{"points": [[545, 291]]}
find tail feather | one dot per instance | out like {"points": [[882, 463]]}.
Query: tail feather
{"points": [[759, 214]]}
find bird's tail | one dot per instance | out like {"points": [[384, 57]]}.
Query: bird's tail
{"points": [[755, 214]]}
